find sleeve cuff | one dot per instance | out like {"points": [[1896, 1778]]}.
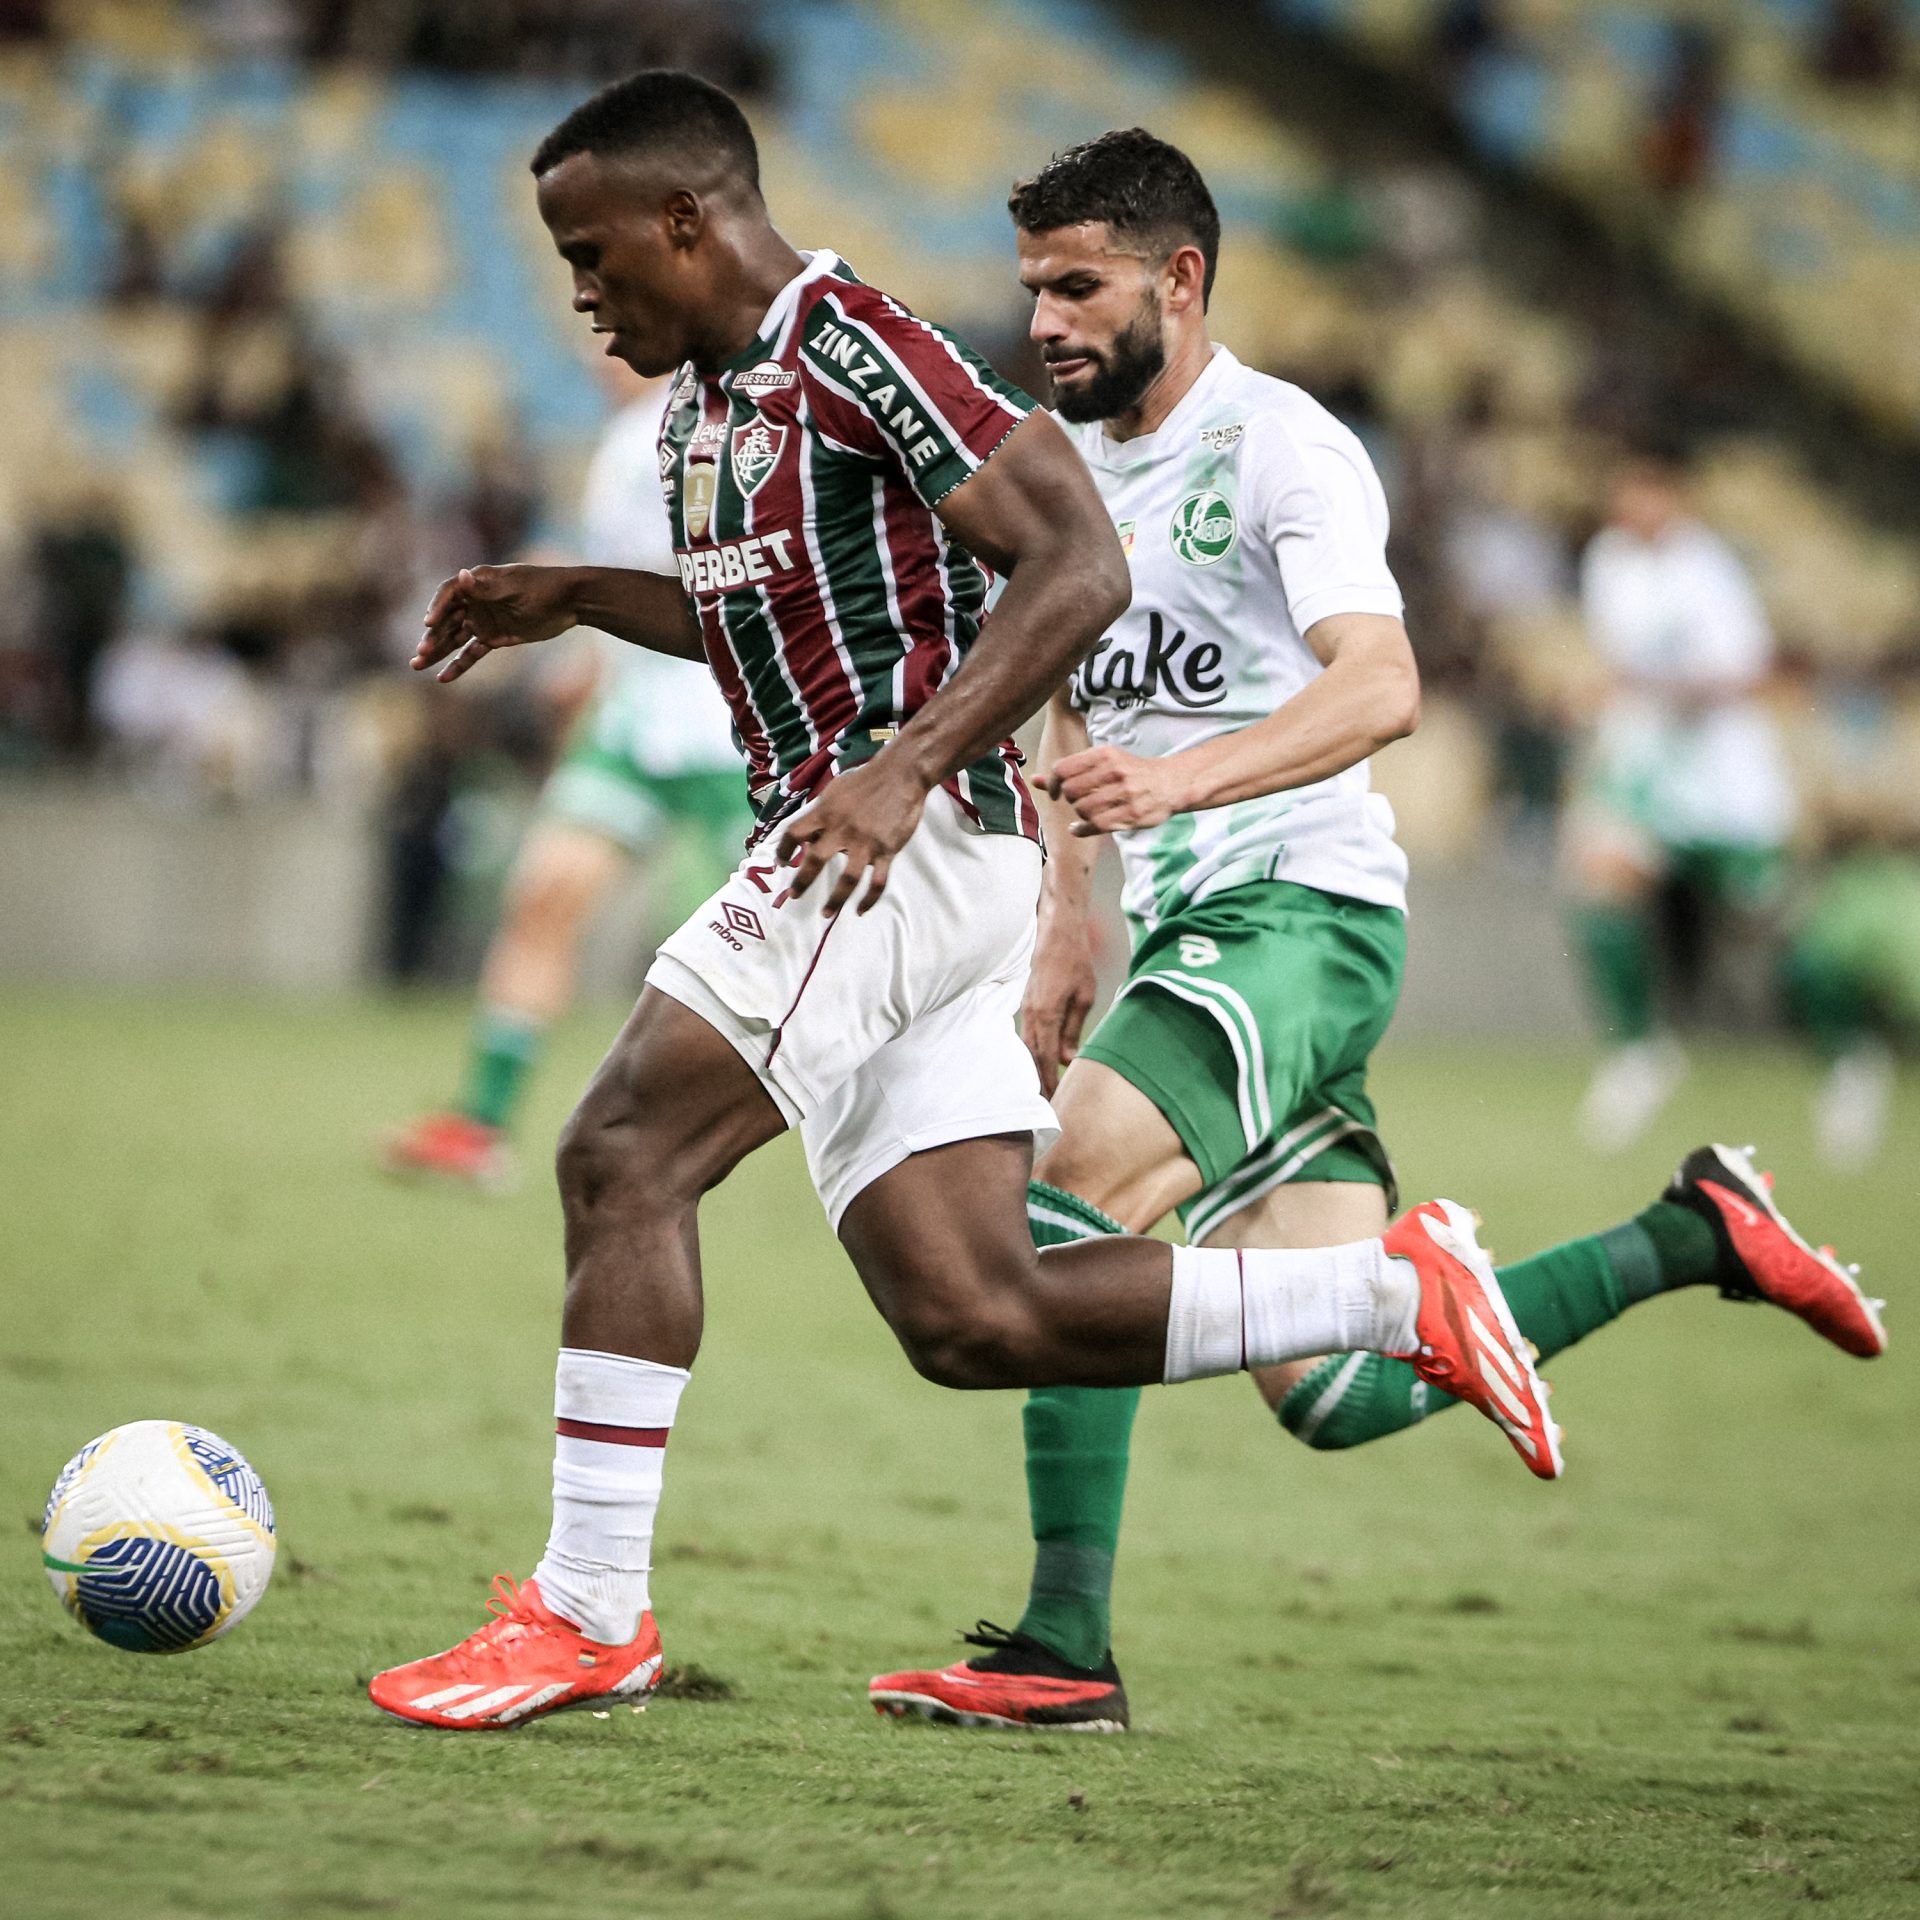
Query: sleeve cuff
{"points": [[1319, 605]]}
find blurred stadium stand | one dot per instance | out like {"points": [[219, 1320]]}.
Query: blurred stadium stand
{"points": [[281, 341]]}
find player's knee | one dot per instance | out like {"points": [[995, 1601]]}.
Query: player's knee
{"points": [[606, 1163]]}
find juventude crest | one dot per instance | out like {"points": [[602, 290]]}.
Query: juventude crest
{"points": [[756, 452], [1203, 529]]}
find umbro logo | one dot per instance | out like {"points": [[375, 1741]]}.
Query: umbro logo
{"points": [[736, 920]]}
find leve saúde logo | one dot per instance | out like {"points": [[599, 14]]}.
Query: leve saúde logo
{"points": [[1203, 529]]}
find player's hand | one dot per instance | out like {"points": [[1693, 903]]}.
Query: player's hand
{"points": [[1111, 790], [482, 608], [1060, 989], [865, 816]]}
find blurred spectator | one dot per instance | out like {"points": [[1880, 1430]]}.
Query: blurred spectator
{"points": [[1464, 30], [586, 41], [180, 713], [1678, 152], [138, 273], [25, 20], [82, 566], [1859, 44], [1685, 805], [1853, 981]]}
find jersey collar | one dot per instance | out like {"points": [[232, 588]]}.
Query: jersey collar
{"points": [[816, 265], [1100, 451]]}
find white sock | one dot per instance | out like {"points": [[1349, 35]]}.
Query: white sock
{"points": [[1257, 1306], [612, 1415]]}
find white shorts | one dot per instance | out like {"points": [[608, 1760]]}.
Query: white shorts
{"points": [[878, 1035]]}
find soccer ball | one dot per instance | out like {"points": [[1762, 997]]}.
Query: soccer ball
{"points": [[158, 1537]]}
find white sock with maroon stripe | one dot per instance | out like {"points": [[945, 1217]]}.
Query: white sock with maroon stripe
{"points": [[1257, 1306], [612, 1414]]}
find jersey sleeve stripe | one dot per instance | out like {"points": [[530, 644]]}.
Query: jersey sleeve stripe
{"points": [[937, 419], [997, 395]]}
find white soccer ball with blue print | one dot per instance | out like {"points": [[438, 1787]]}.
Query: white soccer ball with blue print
{"points": [[158, 1537]]}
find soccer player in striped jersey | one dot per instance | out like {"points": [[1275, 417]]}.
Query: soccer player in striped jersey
{"points": [[1220, 733], [838, 473]]}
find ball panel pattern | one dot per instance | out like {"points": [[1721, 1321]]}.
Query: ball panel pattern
{"points": [[150, 1595], [230, 1474]]}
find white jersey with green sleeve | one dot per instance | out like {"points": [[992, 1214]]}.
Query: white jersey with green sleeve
{"points": [[1247, 515], [664, 715]]}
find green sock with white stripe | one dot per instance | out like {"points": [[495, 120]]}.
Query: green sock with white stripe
{"points": [[1077, 1445], [504, 1047], [1557, 1297]]}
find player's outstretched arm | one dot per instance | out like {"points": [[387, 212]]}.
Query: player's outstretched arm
{"points": [[1368, 696], [1060, 983], [1032, 513], [484, 608]]}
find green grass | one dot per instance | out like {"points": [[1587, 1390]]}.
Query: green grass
{"points": [[1408, 1680]]}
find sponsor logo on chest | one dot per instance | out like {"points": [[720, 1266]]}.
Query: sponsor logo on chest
{"points": [[1222, 439], [1168, 669], [768, 377], [880, 388], [738, 563]]}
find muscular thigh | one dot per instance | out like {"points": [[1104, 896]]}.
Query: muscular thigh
{"points": [[1116, 1149], [944, 1231]]}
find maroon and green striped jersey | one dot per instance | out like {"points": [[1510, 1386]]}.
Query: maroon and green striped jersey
{"points": [[801, 480]]}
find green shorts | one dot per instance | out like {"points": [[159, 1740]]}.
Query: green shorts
{"points": [[599, 786], [1248, 1019], [1747, 879], [700, 819]]}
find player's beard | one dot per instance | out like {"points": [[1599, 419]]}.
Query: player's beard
{"points": [[1135, 360]]}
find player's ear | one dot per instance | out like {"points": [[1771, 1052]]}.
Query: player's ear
{"points": [[685, 216], [1186, 280]]}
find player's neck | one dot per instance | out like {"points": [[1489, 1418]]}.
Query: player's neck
{"points": [[1185, 365], [759, 264]]}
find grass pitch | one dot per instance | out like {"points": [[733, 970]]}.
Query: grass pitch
{"points": [[1408, 1680]]}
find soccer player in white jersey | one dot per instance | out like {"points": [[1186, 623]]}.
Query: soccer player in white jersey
{"points": [[833, 465], [650, 772], [1685, 784], [1220, 733]]}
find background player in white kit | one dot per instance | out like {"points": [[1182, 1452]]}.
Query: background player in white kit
{"points": [[1220, 731], [651, 772], [1685, 783]]}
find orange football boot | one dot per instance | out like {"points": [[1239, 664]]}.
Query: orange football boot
{"points": [[526, 1661], [1466, 1341], [449, 1146], [1020, 1682], [1763, 1258]]}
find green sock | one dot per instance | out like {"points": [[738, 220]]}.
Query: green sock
{"points": [[504, 1046], [1618, 950], [1557, 1297], [1076, 1473]]}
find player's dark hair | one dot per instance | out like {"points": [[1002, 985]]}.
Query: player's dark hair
{"points": [[1146, 191], [661, 110], [1660, 447]]}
